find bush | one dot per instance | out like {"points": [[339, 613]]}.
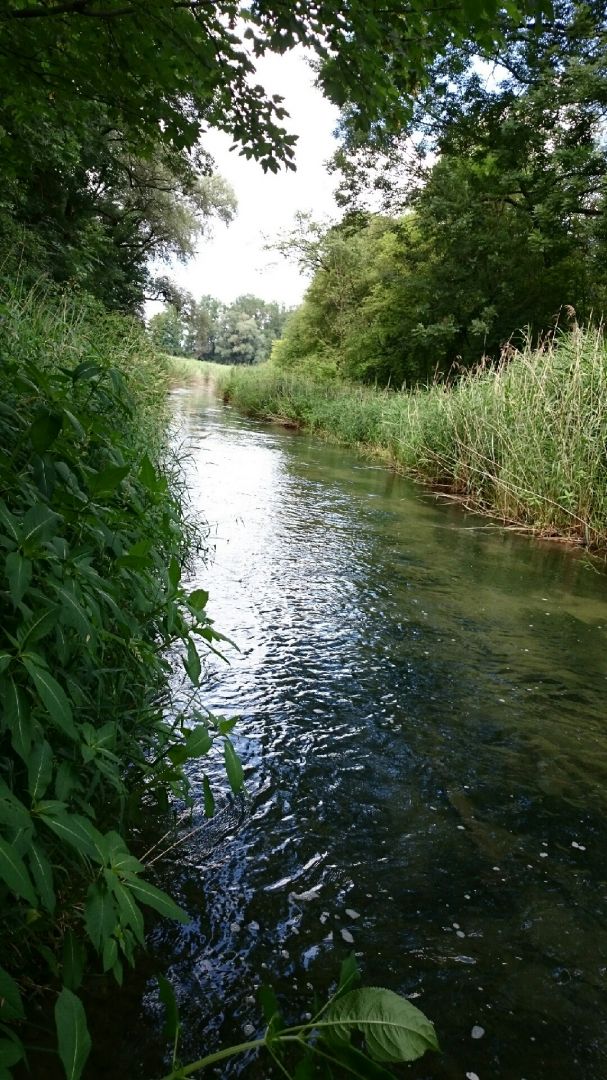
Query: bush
{"points": [[92, 538]]}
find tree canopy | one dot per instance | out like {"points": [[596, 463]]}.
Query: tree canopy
{"points": [[104, 106]]}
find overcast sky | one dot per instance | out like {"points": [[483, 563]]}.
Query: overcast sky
{"points": [[234, 261]]}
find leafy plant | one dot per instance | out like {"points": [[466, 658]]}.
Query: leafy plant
{"points": [[392, 1031], [91, 542]]}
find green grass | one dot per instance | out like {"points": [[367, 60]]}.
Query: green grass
{"points": [[525, 442], [186, 371]]}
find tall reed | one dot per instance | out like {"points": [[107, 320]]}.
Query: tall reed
{"points": [[525, 441]]}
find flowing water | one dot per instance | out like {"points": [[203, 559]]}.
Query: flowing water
{"points": [[423, 729]]}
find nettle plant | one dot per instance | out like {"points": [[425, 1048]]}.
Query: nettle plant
{"points": [[91, 543]]}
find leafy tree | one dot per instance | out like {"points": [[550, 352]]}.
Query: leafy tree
{"points": [[167, 331], [104, 105]]}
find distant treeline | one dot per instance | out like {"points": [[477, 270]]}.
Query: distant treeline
{"points": [[238, 333]]}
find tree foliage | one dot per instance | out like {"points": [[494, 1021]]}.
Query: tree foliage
{"points": [[104, 105], [493, 202], [238, 333]]}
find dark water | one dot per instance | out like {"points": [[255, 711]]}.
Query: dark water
{"points": [[423, 726]]}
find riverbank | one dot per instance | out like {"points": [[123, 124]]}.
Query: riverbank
{"points": [[94, 535], [524, 442], [185, 371]]}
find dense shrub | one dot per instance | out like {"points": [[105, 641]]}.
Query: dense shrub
{"points": [[91, 538]]}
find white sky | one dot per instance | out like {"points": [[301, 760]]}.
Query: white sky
{"points": [[233, 261]]}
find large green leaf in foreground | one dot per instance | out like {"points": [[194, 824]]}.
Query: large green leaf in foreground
{"points": [[394, 1030]]}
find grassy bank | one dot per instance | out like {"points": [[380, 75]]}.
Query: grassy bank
{"points": [[185, 371], [92, 537], [525, 442]]}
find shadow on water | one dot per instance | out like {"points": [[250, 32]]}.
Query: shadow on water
{"points": [[423, 732]]}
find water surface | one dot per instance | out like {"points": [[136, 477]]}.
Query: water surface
{"points": [[423, 731]]}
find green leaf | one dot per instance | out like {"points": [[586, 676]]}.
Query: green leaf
{"points": [[198, 600], [73, 1039], [72, 613], [108, 480], [355, 1062], [393, 1028], [147, 474], [11, 1006], [14, 873], [127, 905], [9, 523], [174, 573], [37, 628], [233, 767], [5, 660], [45, 430], [349, 975], [76, 831], [209, 800], [198, 741], [225, 726], [19, 573], [11, 1051], [100, 916], [18, 719], [269, 1004], [52, 695], [39, 770], [192, 662], [73, 960], [160, 901], [171, 1010], [42, 874], [40, 523]]}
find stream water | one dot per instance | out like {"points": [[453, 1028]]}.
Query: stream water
{"points": [[423, 729]]}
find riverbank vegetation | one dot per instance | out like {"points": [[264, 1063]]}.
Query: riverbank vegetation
{"points": [[523, 441]]}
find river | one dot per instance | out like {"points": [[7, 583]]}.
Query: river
{"points": [[423, 729]]}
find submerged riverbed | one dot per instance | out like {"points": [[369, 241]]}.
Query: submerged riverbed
{"points": [[423, 728]]}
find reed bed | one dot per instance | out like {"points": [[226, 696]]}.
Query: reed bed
{"points": [[525, 441]]}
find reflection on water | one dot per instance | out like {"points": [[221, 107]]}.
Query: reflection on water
{"points": [[423, 731]]}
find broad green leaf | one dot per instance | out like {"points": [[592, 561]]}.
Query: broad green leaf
{"points": [[160, 901], [108, 480], [73, 960], [19, 574], [76, 831], [225, 725], [72, 613], [11, 1051], [198, 600], [192, 662], [39, 770], [5, 660], [100, 916], [18, 719], [209, 800], [38, 627], [45, 430], [52, 695], [233, 767], [171, 1010], [14, 873], [11, 1006], [394, 1030], [73, 1039], [42, 874], [39, 524], [198, 741]]}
